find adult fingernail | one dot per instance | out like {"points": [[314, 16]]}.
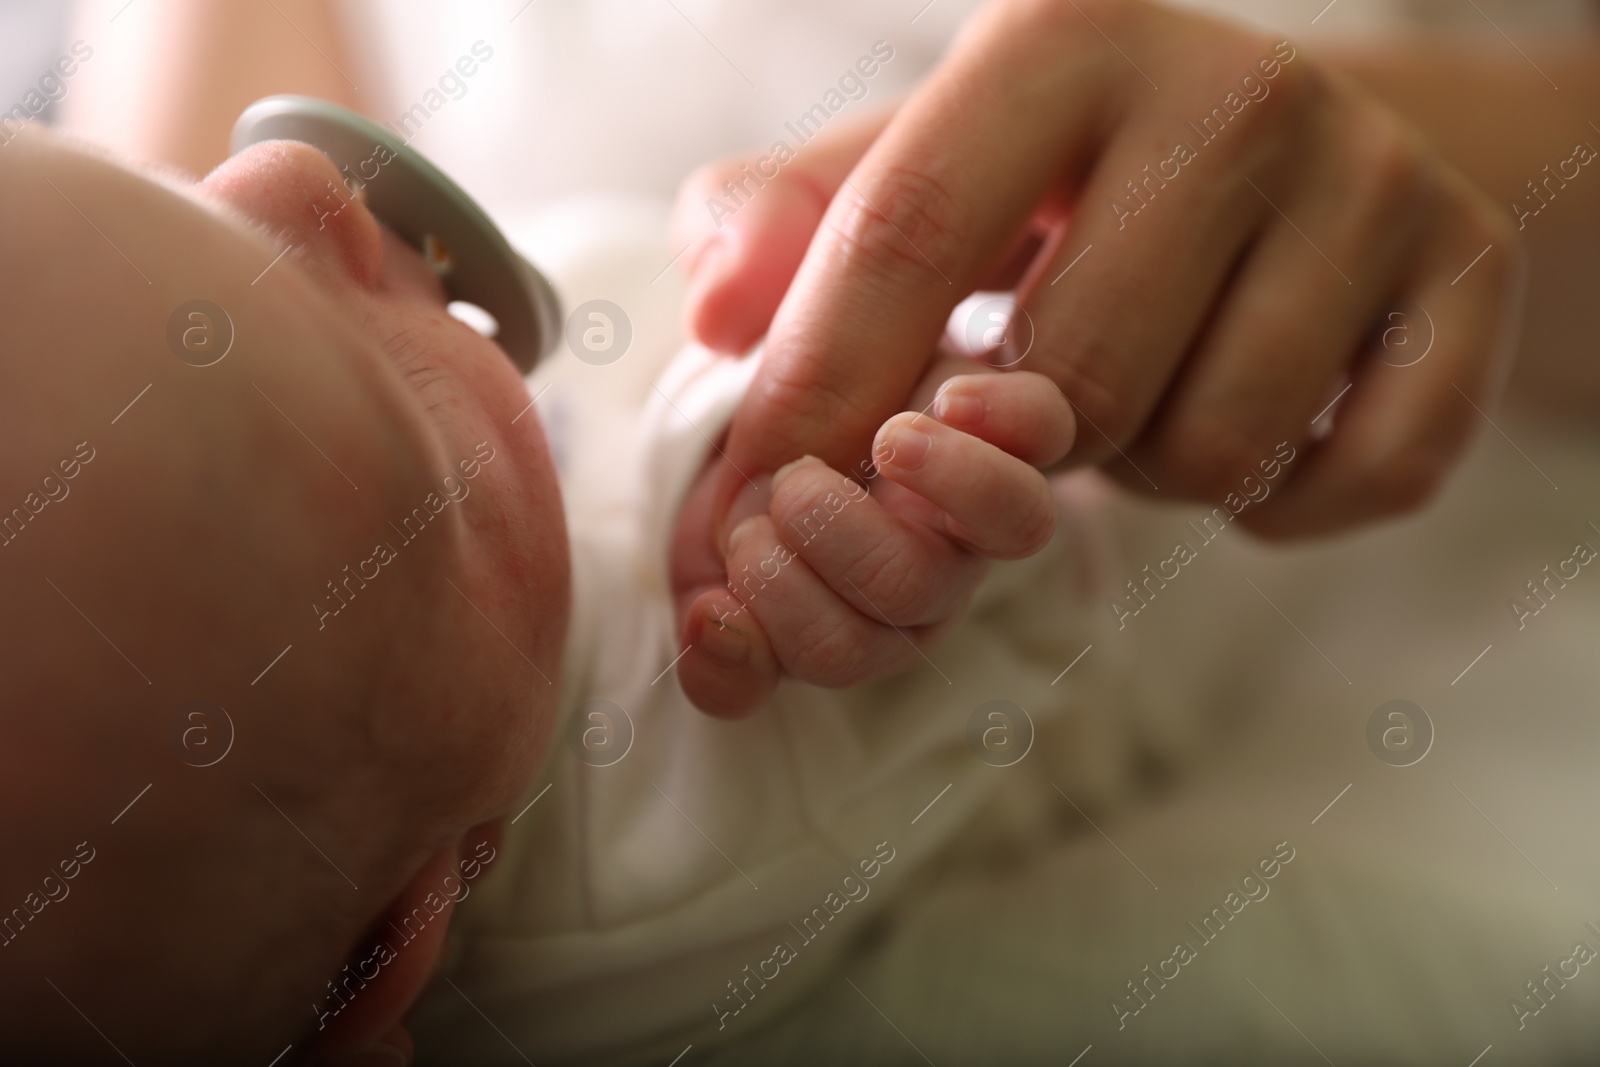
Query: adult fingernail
{"points": [[903, 445], [956, 407], [723, 644], [706, 260], [754, 499]]}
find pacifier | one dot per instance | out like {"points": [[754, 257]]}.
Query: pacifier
{"points": [[427, 210]]}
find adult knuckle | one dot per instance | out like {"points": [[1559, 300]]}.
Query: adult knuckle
{"points": [[1507, 277], [1059, 17], [800, 402], [1089, 375], [1208, 456], [1068, 37], [1405, 482], [1484, 223], [1495, 228], [1269, 112], [1449, 429], [1050, 20], [908, 220], [1297, 89], [1407, 476], [1276, 127], [1392, 172]]}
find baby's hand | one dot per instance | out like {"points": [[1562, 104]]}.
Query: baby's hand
{"points": [[841, 580]]}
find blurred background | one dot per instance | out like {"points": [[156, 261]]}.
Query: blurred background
{"points": [[31, 32]]}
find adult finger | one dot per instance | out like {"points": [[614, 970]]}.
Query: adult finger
{"points": [[746, 221], [930, 209], [1298, 313], [1172, 208], [1401, 427]]}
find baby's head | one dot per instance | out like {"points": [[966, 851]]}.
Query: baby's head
{"points": [[284, 630]]}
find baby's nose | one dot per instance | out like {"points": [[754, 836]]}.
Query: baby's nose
{"points": [[296, 192]]}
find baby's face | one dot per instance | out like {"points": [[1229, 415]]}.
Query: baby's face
{"points": [[347, 532], [484, 694]]}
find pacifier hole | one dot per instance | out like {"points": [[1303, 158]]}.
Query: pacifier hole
{"points": [[437, 254], [474, 316]]}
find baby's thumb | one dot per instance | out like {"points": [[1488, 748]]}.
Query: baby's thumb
{"points": [[747, 221]]}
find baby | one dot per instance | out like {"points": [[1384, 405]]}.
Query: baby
{"points": [[470, 751]]}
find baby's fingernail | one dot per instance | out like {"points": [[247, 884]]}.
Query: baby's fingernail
{"points": [[956, 407], [902, 445], [722, 644], [787, 469], [741, 533], [754, 499]]}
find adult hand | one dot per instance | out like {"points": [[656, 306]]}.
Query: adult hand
{"points": [[1206, 229]]}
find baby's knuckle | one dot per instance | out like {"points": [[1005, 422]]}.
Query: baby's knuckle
{"points": [[1034, 528], [830, 655], [799, 506], [892, 583]]}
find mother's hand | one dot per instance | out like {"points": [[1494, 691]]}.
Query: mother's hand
{"points": [[1202, 224]]}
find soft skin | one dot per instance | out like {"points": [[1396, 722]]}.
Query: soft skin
{"points": [[1220, 304], [383, 716], [189, 555]]}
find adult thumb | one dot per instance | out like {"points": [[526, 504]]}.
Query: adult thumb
{"points": [[748, 219]]}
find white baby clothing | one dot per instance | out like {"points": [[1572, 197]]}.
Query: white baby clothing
{"points": [[668, 854]]}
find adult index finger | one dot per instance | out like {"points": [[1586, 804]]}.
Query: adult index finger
{"points": [[1021, 105]]}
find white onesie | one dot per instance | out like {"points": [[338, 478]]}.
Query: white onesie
{"points": [[678, 876]]}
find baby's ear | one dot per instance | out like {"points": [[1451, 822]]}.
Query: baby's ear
{"points": [[367, 1000]]}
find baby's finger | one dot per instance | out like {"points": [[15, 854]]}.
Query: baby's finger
{"points": [[815, 634], [996, 504], [1022, 413], [890, 568], [728, 669]]}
